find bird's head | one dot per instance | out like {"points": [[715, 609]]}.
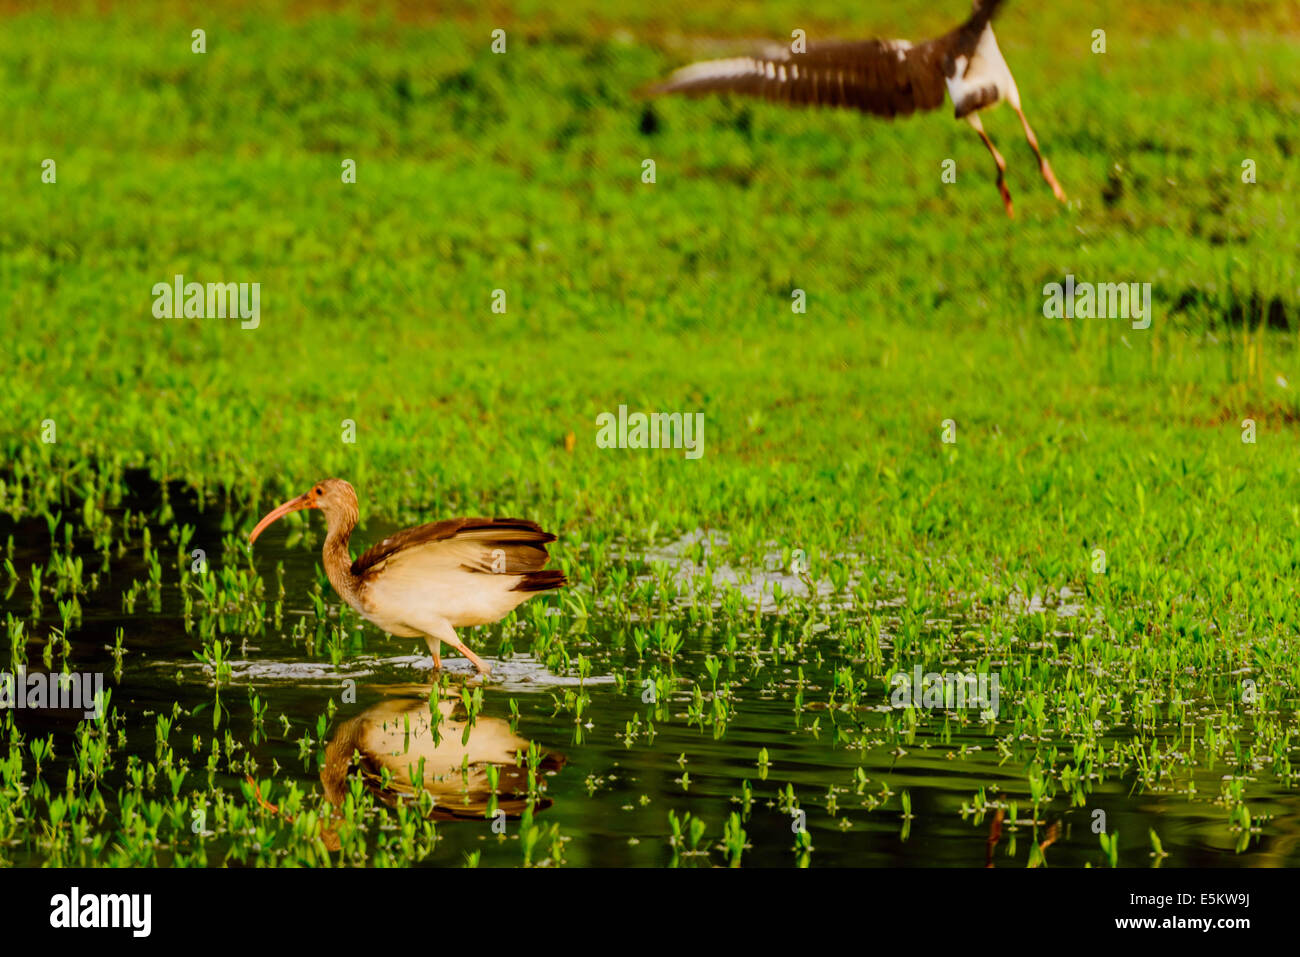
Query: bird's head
{"points": [[335, 497]]}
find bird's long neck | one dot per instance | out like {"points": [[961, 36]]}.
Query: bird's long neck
{"points": [[337, 556]]}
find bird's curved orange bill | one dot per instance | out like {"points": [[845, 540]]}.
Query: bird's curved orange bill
{"points": [[293, 505]]}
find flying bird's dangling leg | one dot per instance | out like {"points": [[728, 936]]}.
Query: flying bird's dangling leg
{"points": [[974, 120], [1043, 166], [435, 648]]}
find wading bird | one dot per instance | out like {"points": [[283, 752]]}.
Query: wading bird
{"points": [[885, 77], [429, 580]]}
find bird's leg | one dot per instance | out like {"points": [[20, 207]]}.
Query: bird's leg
{"points": [[444, 632], [1043, 166], [974, 120], [435, 648]]}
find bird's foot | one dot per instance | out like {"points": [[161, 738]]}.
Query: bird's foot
{"points": [[437, 662], [1048, 175], [1006, 198]]}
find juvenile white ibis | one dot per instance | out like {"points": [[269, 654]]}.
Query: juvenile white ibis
{"points": [[429, 580], [885, 77]]}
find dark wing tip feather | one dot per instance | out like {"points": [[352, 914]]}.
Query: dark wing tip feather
{"points": [[979, 19], [542, 581]]}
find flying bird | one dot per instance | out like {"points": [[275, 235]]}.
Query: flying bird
{"points": [[886, 77], [429, 580]]}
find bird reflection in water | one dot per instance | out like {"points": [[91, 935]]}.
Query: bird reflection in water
{"points": [[393, 746]]}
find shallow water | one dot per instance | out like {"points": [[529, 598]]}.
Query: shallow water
{"points": [[610, 796]]}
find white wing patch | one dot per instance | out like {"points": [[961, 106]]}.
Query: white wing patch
{"points": [[899, 47], [719, 70]]}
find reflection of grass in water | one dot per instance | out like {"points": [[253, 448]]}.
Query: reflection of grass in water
{"points": [[822, 430]]}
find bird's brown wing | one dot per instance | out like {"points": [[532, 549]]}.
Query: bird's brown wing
{"points": [[875, 76], [885, 77], [475, 544]]}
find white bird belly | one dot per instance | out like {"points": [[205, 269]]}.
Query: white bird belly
{"points": [[411, 607]]}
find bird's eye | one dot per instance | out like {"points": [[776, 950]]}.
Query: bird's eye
{"points": [[320, 491]]}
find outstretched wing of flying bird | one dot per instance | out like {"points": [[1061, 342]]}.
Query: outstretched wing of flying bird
{"points": [[884, 77]]}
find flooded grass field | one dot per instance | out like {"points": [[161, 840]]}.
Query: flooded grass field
{"points": [[943, 580], [689, 716]]}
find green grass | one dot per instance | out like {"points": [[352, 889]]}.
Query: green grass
{"points": [[822, 430]]}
